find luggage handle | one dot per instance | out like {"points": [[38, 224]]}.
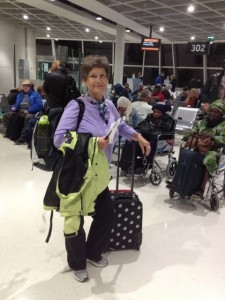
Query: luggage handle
{"points": [[132, 167]]}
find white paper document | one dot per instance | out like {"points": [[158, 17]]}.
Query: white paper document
{"points": [[112, 130]]}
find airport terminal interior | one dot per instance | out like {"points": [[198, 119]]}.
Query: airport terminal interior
{"points": [[183, 244]]}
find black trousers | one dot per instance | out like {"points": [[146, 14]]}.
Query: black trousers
{"points": [[78, 249]]}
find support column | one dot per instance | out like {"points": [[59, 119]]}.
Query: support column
{"points": [[53, 49], [204, 68], [119, 54]]}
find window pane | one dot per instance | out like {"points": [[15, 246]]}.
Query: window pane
{"points": [[150, 75], [133, 55], [43, 47], [216, 55], [185, 75], [187, 60], [96, 48], [151, 58], [166, 51]]}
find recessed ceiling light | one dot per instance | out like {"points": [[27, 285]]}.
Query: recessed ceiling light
{"points": [[25, 17], [192, 38], [48, 35], [100, 41], [96, 37], [48, 28], [56, 39], [52, 0], [99, 18], [191, 8], [127, 30], [161, 29], [87, 29]]}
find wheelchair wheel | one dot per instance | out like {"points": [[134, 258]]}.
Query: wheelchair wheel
{"points": [[155, 178], [214, 202], [171, 193], [171, 168]]}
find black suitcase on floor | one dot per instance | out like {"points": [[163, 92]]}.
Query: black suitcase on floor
{"points": [[189, 172], [15, 127], [127, 229]]}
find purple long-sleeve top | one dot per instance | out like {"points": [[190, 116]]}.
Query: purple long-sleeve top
{"points": [[91, 122]]}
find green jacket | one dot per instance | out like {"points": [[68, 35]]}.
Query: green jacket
{"points": [[79, 203]]}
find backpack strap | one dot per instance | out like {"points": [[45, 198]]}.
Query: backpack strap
{"points": [[81, 112]]}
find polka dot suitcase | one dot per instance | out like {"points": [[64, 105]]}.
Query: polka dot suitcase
{"points": [[127, 230]]}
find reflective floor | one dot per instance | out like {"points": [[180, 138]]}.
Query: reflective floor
{"points": [[182, 255]]}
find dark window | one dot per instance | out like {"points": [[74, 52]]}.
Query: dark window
{"points": [[166, 52], [133, 55], [187, 60], [151, 58], [73, 48], [96, 48], [150, 75], [185, 75], [216, 55], [43, 47]]}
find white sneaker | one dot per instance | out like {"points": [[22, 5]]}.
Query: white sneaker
{"points": [[81, 275], [103, 262]]}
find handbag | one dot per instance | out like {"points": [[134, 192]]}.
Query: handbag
{"points": [[202, 143], [147, 129]]}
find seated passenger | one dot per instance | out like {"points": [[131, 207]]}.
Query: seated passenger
{"points": [[28, 103], [211, 136], [156, 96], [192, 98], [157, 122], [129, 113]]}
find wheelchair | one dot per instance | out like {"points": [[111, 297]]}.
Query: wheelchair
{"points": [[164, 147], [213, 187]]}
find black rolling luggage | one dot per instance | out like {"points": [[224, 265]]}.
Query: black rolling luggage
{"points": [[125, 162], [127, 229], [15, 127], [189, 172]]}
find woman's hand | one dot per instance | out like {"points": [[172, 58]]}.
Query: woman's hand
{"points": [[143, 143], [102, 142]]}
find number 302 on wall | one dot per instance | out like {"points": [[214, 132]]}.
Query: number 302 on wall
{"points": [[201, 48]]}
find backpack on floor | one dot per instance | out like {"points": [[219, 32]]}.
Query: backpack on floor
{"points": [[44, 155]]}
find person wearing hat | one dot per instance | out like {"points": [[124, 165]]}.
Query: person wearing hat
{"points": [[28, 103], [59, 87], [155, 123], [211, 136]]}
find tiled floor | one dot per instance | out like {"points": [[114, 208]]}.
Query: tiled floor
{"points": [[182, 255]]}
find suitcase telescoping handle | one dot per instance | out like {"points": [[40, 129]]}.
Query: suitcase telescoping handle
{"points": [[132, 167]]}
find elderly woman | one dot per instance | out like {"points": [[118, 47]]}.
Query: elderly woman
{"points": [[127, 112], [155, 123], [99, 115], [211, 136]]}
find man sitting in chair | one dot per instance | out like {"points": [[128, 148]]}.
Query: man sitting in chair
{"points": [[28, 103]]}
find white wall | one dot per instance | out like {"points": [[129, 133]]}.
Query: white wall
{"points": [[25, 46]]}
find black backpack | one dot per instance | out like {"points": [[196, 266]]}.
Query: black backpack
{"points": [[71, 91], [44, 154]]}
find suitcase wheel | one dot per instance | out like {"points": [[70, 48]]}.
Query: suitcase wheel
{"points": [[155, 178]]}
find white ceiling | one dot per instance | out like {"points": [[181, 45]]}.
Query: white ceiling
{"points": [[69, 22]]}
